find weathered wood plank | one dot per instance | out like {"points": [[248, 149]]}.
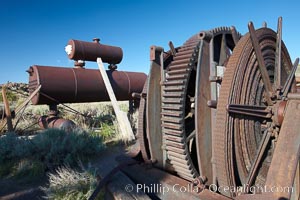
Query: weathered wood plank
{"points": [[122, 119]]}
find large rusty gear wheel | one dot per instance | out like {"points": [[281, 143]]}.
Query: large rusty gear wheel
{"points": [[248, 122], [179, 120]]}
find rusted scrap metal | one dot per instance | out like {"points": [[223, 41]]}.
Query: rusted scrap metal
{"points": [[55, 122], [158, 184], [286, 156], [78, 85], [189, 125], [233, 144], [90, 51]]}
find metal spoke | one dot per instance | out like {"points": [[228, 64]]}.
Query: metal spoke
{"points": [[234, 34], [250, 110], [290, 79], [223, 50], [172, 48], [191, 136], [278, 54], [261, 63], [258, 157]]}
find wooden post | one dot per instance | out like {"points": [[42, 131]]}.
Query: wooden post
{"points": [[7, 110], [124, 124]]}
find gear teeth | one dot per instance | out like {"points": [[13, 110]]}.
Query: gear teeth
{"points": [[174, 97]]}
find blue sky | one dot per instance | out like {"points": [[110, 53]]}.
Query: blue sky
{"points": [[36, 31]]}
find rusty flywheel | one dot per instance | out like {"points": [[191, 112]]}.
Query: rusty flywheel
{"points": [[253, 97]]}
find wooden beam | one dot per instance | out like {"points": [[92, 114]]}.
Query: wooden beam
{"points": [[124, 124]]}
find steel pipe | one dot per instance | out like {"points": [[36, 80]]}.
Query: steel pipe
{"points": [[90, 51], [78, 85]]}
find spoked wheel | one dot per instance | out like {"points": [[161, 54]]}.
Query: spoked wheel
{"points": [[186, 127], [250, 109]]}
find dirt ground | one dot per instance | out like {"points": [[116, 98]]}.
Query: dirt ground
{"points": [[11, 189]]}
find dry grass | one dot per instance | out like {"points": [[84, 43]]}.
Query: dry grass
{"points": [[95, 118], [67, 183]]}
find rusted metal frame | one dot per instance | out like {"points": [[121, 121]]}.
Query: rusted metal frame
{"points": [[214, 95], [250, 110], [196, 104], [285, 158], [278, 54], [290, 79], [153, 107], [122, 118], [263, 70], [161, 181], [257, 160]]}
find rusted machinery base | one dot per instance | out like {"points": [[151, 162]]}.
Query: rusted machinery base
{"points": [[142, 181]]}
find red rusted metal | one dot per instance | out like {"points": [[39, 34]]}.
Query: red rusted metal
{"points": [[281, 174], [281, 112], [55, 122], [162, 185], [78, 85], [90, 51]]}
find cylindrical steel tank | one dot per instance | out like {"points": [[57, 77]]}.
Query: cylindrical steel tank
{"points": [[78, 85], [90, 51], [56, 122]]}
